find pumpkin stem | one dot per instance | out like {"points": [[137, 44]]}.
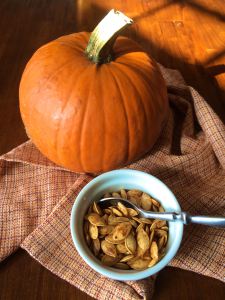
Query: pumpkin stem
{"points": [[99, 48]]}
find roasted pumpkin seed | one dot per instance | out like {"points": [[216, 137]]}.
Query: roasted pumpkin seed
{"points": [[96, 246], [143, 239], [109, 238], [122, 208], [109, 260], [161, 242], [93, 231], [154, 250], [97, 209], [138, 264], [121, 266], [160, 232], [113, 220], [121, 231], [140, 252], [130, 243], [152, 262], [96, 220], [151, 237], [145, 221], [133, 223], [121, 248], [161, 209], [126, 258], [123, 194], [165, 228], [116, 195], [133, 200], [117, 212], [160, 223], [134, 193], [146, 202], [156, 203], [132, 212], [140, 226], [137, 220], [108, 248], [107, 229]]}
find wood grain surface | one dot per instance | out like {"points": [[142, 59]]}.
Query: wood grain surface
{"points": [[186, 35]]}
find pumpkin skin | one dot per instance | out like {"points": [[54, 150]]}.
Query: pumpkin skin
{"points": [[88, 117]]}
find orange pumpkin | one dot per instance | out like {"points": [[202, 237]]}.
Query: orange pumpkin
{"points": [[93, 110]]}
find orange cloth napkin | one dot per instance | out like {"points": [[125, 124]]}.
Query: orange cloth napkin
{"points": [[36, 197]]}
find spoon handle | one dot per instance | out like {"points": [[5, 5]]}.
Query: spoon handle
{"points": [[166, 216], [206, 220], [186, 218]]}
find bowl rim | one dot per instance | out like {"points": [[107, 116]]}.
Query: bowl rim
{"points": [[109, 272]]}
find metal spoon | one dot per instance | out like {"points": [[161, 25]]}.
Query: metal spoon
{"points": [[183, 217]]}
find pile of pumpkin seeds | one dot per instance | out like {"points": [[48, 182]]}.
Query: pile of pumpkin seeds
{"points": [[120, 239]]}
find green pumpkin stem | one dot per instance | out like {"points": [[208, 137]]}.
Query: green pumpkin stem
{"points": [[99, 48]]}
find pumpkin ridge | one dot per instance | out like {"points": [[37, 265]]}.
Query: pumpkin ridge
{"points": [[153, 85], [70, 45], [135, 70], [80, 78], [101, 92], [138, 97], [84, 118], [124, 45], [138, 94], [59, 127], [124, 108], [124, 53], [65, 41], [77, 50]]}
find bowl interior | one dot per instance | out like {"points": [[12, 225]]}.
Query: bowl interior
{"points": [[114, 181]]}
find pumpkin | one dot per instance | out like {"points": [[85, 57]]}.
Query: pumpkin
{"points": [[93, 102]]}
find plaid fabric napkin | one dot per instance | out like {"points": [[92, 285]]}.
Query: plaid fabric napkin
{"points": [[36, 197]]}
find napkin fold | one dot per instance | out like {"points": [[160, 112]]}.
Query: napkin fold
{"points": [[36, 197]]}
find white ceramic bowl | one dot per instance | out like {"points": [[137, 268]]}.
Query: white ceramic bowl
{"points": [[114, 181]]}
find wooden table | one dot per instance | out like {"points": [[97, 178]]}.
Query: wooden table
{"points": [[187, 35]]}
